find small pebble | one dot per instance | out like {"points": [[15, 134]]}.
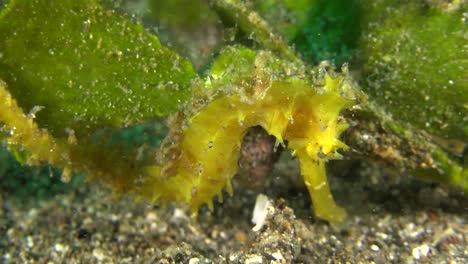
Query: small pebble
{"points": [[375, 248], [233, 257], [277, 255], [179, 217], [60, 248], [83, 233], [241, 237], [421, 251], [151, 217], [194, 261], [98, 254], [29, 241], [254, 259], [382, 235]]}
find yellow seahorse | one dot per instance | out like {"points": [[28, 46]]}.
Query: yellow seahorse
{"points": [[292, 109]]}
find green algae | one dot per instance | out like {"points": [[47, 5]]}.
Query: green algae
{"points": [[86, 67], [414, 65]]}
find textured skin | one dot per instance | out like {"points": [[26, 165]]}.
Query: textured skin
{"points": [[211, 144]]}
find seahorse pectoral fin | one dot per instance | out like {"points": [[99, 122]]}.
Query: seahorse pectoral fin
{"points": [[315, 178]]}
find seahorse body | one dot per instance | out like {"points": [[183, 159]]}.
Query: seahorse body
{"points": [[289, 110]]}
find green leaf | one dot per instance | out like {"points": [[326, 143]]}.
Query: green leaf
{"points": [[415, 65], [85, 67]]}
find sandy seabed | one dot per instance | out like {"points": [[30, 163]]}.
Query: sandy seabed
{"points": [[390, 220]]}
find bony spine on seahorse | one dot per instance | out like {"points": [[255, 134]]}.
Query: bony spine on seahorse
{"points": [[289, 108]]}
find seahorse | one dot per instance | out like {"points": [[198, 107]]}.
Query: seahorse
{"points": [[245, 89], [290, 109]]}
